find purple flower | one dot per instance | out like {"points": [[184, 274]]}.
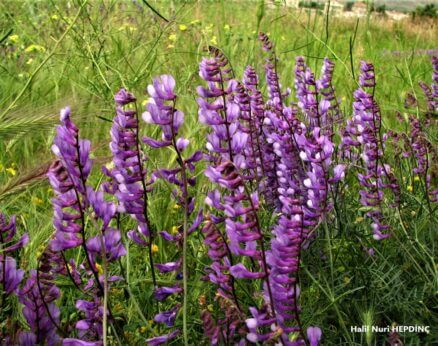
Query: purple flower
{"points": [[314, 335], [10, 275], [160, 340], [161, 293], [168, 267], [240, 272], [167, 317], [123, 97], [162, 88]]}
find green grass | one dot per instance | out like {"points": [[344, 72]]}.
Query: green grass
{"points": [[55, 53]]}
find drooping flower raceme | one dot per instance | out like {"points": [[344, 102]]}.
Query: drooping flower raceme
{"points": [[364, 131], [161, 111]]}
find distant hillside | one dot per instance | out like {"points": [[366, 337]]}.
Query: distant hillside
{"points": [[404, 5]]}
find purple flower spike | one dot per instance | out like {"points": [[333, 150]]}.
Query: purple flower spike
{"points": [[42, 325]]}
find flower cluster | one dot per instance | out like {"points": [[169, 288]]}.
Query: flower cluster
{"points": [[161, 111], [274, 171], [365, 132]]}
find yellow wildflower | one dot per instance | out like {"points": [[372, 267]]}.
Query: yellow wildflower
{"points": [[110, 165], [358, 219], [36, 201], [213, 40], [210, 307], [410, 188], [195, 21], [182, 27], [176, 206], [14, 38], [154, 248], [416, 178], [283, 38], [99, 268], [30, 61], [170, 46], [11, 171], [143, 329], [174, 230], [227, 27], [55, 17], [35, 48], [172, 37]]}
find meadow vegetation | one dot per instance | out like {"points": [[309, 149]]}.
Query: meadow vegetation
{"points": [[81, 53]]}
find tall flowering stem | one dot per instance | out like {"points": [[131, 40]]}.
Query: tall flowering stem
{"points": [[74, 202], [161, 111], [129, 176], [364, 132]]}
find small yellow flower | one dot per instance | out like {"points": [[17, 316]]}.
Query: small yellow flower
{"points": [[151, 322], [172, 37], [174, 230], [213, 40], [410, 188], [283, 38], [227, 27], [143, 329], [11, 171], [210, 307], [182, 27], [359, 219], [55, 17], [110, 165], [35, 48], [154, 248], [99, 268], [170, 46], [30, 61], [195, 21], [176, 206], [36, 201], [14, 38], [416, 178]]}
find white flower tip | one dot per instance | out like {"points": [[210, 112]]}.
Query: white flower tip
{"points": [[65, 113], [251, 323]]}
